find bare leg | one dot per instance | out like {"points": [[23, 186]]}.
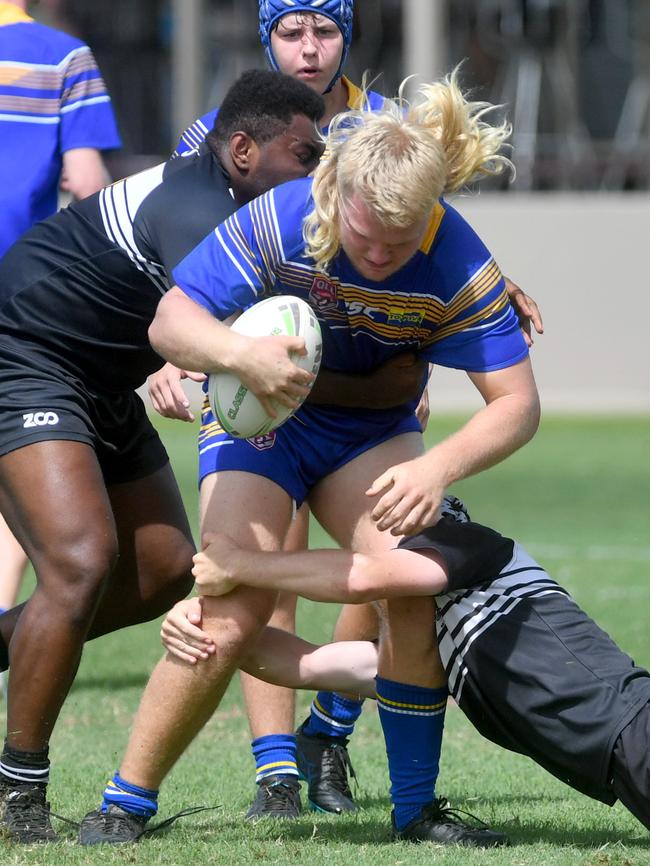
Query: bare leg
{"points": [[357, 622], [68, 532], [180, 698], [410, 673], [155, 556], [340, 505], [14, 564], [272, 709], [72, 531]]}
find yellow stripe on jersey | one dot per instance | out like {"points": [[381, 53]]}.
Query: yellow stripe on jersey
{"points": [[483, 281], [11, 74], [432, 228], [499, 304], [355, 94], [11, 14], [395, 304]]}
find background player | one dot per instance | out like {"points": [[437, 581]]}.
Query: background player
{"points": [[56, 141]]}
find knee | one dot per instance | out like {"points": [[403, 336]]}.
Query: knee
{"points": [[73, 575], [234, 619], [166, 581]]}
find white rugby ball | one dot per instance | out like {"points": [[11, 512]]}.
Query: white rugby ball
{"points": [[238, 409]]}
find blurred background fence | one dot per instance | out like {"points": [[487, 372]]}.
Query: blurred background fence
{"points": [[574, 79]]}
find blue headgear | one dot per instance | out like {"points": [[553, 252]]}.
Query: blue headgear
{"points": [[338, 11]]}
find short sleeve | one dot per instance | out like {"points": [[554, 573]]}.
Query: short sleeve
{"points": [[195, 134], [87, 118], [478, 330], [473, 553]]}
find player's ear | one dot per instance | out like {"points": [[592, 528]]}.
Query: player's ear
{"points": [[243, 151]]}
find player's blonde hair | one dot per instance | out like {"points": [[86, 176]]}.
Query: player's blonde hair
{"points": [[401, 159]]}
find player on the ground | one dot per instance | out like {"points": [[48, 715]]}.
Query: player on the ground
{"points": [[85, 483], [528, 667], [309, 40], [387, 266]]}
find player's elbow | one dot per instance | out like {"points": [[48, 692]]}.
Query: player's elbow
{"points": [[155, 336], [159, 327]]}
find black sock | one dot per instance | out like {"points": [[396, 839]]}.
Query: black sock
{"points": [[18, 767], [4, 655]]}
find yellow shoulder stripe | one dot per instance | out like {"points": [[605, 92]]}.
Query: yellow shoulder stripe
{"points": [[355, 94], [10, 14], [432, 228]]}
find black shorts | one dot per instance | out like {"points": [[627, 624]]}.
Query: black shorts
{"points": [[536, 675], [630, 768], [39, 404]]}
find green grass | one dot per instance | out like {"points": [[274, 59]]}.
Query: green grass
{"points": [[577, 497]]}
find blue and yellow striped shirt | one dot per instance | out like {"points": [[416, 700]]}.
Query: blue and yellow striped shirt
{"points": [[52, 99], [448, 303]]}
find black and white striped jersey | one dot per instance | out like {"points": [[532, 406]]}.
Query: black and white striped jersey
{"points": [[80, 289], [463, 616], [525, 663]]}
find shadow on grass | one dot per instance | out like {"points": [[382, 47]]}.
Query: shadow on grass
{"points": [[361, 829], [84, 682]]}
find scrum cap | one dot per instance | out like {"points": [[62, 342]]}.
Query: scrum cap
{"points": [[338, 11]]}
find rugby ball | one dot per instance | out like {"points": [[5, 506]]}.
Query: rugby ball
{"points": [[238, 409]]}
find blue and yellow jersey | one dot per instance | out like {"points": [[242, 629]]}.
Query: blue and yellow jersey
{"points": [[448, 303], [52, 99], [197, 131]]}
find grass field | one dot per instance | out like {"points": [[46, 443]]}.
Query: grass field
{"points": [[578, 497]]}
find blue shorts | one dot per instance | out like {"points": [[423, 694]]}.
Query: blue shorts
{"points": [[305, 449]]}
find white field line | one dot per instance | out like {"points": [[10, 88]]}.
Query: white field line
{"points": [[593, 552]]}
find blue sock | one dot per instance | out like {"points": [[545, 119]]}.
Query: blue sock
{"points": [[332, 715], [412, 718], [131, 798], [275, 755]]}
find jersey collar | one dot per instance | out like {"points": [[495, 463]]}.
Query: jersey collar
{"points": [[10, 14]]}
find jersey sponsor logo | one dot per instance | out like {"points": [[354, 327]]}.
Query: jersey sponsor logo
{"points": [[39, 419], [405, 317], [323, 294], [263, 442], [357, 308]]}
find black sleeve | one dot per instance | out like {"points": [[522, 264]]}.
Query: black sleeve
{"points": [[473, 553], [191, 202]]}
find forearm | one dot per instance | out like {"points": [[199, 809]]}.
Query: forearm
{"points": [[339, 575], [84, 172], [491, 435], [357, 391], [397, 381], [319, 575], [338, 389], [286, 660], [190, 337]]}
